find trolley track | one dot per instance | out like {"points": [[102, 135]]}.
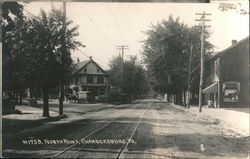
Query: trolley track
{"points": [[130, 137], [105, 126]]}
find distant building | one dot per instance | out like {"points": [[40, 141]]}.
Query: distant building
{"points": [[227, 76], [89, 80]]}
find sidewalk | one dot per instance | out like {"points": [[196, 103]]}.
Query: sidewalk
{"points": [[231, 119], [29, 117], [28, 113]]}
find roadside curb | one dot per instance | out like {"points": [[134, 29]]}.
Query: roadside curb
{"points": [[37, 121], [43, 122], [234, 129], [10, 123], [199, 115]]}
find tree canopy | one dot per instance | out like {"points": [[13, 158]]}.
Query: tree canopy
{"points": [[134, 82], [166, 53], [35, 54]]}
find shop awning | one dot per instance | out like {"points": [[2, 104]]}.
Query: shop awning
{"points": [[213, 88]]}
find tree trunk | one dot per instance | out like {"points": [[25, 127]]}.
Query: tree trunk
{"points": [[61, 99], [168, 98], [192, 97], [184, 93], [16, 96], [181, 101], [20, 96], [175, 99], [188, 98], [45, 103]]}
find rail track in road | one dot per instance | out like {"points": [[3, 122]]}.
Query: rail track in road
{"points": [[144, 108], [130, 137]]}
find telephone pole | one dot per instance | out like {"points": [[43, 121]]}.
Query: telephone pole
{"points": [[122, 48], [64, 49], [202, 20], [189, 74]]}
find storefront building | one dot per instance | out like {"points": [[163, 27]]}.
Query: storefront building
{"points": [[227, 77]]}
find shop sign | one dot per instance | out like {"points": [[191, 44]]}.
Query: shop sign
{"points": [[231, 91]]}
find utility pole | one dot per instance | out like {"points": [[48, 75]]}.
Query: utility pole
{"points": [[122, 47], [133, 59], [64, 49], [203, 15], [189, 74]]}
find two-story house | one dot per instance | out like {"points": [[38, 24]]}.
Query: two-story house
{"points": [[88, 78], [227, 76]]}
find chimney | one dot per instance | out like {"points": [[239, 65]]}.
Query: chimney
{"points": [[90, 57], [234, 42]]}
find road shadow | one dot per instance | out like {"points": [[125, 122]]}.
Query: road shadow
{"points": [[16, 125], [145, 137]]}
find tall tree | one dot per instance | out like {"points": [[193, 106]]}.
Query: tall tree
{"points": [[11, 13], [44, 63], [134, 77], [166, 54]]}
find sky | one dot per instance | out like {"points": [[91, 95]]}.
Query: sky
{"points": [[103, 26]]}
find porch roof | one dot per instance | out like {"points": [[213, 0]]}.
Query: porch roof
{"points": [[213, 88]]}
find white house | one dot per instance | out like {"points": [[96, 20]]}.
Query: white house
{"points": [[89, 79]]}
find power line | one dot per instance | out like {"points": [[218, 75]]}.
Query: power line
{"points": [[83, 53], [117, 25], [88, 58], [29, 12], [102, 66], [77, 49], [91, 20]]}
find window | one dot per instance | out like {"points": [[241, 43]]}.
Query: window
{"points": [[90, 79], [100, 79], [102, 91], [75, 88], [85, 70], [84, 88], [76, 80], [231, 91], [98, 70]]}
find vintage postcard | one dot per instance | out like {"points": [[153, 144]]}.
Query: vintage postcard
{"points": [[125, 79]]}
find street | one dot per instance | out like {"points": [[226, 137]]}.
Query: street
{"points": [[144, 129]]}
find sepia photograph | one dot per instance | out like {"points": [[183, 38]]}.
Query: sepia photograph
{"points": [[125, 79]]}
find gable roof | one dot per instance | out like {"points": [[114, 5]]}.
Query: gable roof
{"points": [[80, 65], [229, 48]]}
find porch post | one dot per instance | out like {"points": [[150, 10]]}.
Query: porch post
{"points": [[219, 95], [214, 100]]}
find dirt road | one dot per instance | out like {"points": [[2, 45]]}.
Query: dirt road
{"points": [[145, 129]]}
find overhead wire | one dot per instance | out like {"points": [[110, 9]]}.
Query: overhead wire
{"points": [[117, 25], [96, 26], [77, 49], [88, 57]]}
